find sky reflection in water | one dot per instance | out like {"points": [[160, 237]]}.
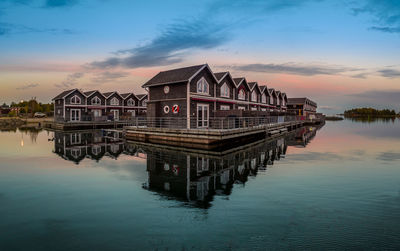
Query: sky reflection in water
{"points": [[336, 188]]}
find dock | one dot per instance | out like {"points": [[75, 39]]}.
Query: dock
{"points": [[208, 139]]}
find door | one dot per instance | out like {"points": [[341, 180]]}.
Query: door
{"points": [[202, 115], [97, 113], [75, 114], [115, 114]]}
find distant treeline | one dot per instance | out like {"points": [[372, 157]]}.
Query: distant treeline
{"points": [[369, 112], [28, 108]]}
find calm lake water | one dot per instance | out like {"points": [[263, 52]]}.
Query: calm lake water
{"points": [[332, 188]]}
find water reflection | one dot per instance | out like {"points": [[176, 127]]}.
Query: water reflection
{"points": [[188, 175]]}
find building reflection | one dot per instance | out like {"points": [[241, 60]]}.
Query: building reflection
{"points": [[192, 176]]}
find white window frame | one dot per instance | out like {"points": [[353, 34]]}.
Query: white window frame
{"points": [[112, 101], [243, 108], [130, 102], [204, 119], [144, 102], [254, 96], [225, 90], [96, 150], [75, 100], [263, 98], [76, 153], [95, 101], [224, 107], [75, 138], [203, 86], [242, 97]]}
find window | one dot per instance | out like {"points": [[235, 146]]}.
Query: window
{"points": [[75, 100], [202, 86], [225, 107], [271, 101], [241, 108], [144, 103], [264, 98], [75, 138], [131, 102], [225, 90], [254, 96], [254, 108], [96, 101], [242, 94], [114, 101], [76, 153], [58, 111], [96, 150]]}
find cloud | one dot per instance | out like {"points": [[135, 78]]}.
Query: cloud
{"points": [[389, 156], [11, 29], [70, 81], [206, 31], [169, 47], [389, 73], [59, 3], [109, 76], [385, 12], [379, 96], [294, 68], [28, 86]]}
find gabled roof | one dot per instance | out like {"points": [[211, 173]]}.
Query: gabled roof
{"points": [[295, 101], [272, 91], [252, 85], [66, 93], [141, 96], [108, 94], [63, 94], [220, 75], [90, 93], [177, 75], [238, 82], [262, 88], [126, 95], [278, 93]]}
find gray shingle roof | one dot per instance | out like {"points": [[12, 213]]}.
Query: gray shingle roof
{"points": [[295, 101], [238, 80], [174, 76], [220, 75], [125, 95], [262, 88], [88, 93], [107, 94], [252, 85], [63, 94], [141, 96]]}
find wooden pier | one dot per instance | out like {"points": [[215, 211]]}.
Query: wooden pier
{"points": [[84, 125], [207, 139]]}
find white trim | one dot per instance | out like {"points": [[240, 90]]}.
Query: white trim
{"points": [[203, 119], [188, 105]]}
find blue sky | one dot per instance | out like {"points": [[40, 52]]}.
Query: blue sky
{"points": [[341, 53]]}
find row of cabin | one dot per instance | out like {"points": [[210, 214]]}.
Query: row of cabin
{"points": [[75, 106], [197, 94]]}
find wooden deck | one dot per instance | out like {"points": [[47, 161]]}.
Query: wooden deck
{"points": [[82, 125], [207, 139]]}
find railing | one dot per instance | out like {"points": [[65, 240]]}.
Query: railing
{"points": [[217, 123]]}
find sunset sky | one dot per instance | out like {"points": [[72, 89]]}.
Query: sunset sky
{"points": [[340, 53]]}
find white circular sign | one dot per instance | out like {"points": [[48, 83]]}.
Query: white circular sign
{"points": [[166, 109], [166, 89]]}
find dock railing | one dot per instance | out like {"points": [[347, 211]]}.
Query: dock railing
{"points": [[213, 123]]}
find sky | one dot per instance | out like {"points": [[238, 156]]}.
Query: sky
{"points": [[340, 53]]}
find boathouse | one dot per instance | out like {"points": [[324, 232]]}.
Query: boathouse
{"points": [[94, 106], [192, 96], [302, 107]]}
